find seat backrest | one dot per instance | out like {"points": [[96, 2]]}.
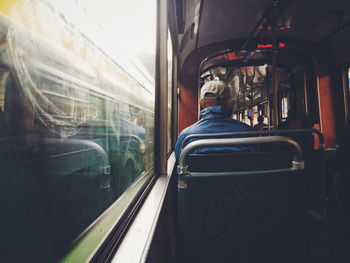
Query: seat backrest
{"points": [[315, 176], [239, 161], [241, 216], [315, 179]]}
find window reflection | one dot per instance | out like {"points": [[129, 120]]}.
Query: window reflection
{"points": [[76, 117]]}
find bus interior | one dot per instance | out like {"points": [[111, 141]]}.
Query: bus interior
{"points": [[94, 96]]}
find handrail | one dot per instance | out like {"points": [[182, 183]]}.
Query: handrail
{"points": [[182, 168], [256, 133]]}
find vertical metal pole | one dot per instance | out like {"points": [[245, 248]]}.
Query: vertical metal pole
{"points": [[306, 99], [274, 72], [252, 98], [161, 95], [268, 98], [239, 111], [345, 80], [175, 112]]}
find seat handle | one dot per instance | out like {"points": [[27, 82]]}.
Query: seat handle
{"points": [[255, 133], [297, 162]]}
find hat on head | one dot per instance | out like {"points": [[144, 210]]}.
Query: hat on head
{"points": [[216, 87]]}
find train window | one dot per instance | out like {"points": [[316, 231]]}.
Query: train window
{"points": [[170, 86], [284, 106], [255, 115], [4, 77], [76, 121]]}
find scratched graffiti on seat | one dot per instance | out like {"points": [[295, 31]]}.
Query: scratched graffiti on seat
{"points": [[239, 204]]}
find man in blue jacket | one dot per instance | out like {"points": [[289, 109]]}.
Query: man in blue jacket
{"points": [[216, 103]]}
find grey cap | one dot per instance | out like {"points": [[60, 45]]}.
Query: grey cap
{"points": [[216, 87]]}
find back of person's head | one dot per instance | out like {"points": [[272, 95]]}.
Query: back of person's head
{"points": [[214, 93], [215, 89], [261, 119]]}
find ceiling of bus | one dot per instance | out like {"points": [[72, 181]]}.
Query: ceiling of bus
{"points": [[207, 22]]}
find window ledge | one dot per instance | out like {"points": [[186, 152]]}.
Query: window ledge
{"points": [[136, 243]]}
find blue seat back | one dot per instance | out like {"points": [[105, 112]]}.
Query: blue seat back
{"points": [[246, 214]]}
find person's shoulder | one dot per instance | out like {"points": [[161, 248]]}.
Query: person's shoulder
{"points": [[188, 129]]}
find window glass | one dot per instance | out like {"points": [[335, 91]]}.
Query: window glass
{"points": [[76, 117], [284, 105], [170, 85], [349, 77]]}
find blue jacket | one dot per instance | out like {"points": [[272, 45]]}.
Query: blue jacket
{"points": [[213, 120]]}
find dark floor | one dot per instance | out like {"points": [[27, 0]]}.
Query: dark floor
{"points": [[330, 239]]}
